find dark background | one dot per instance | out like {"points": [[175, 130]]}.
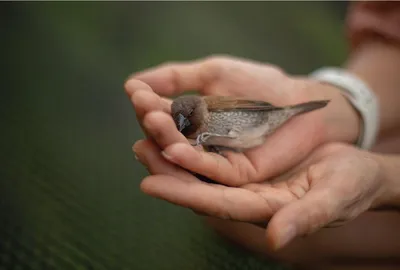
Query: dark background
{"points": [[69, 184]]}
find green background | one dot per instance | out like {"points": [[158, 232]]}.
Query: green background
{"points": [[69, 184]]}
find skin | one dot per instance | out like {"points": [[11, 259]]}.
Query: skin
{"points": [[369, 241], [298, 175], [281, 151]]}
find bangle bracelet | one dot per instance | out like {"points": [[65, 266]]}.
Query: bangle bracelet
{"points": [[360, 96]]}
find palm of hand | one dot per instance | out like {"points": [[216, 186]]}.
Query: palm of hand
{"points": [[335, 184], [229, 77]]}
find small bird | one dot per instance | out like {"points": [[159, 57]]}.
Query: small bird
{"points": [[229, 123]]}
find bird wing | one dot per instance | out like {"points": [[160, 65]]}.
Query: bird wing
{"points": [[224, 103]]}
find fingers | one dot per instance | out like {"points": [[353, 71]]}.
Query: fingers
{"points": [[150, 156], [144, 100], [229, 171], [312, 212], [174, 185], [212, 200], [286, 147], [174, 78], [171, 183], [131, 86], [335, 189], [178, 150], [162, 129], [159, 125]]}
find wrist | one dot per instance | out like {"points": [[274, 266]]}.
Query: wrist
{"points": [[389, 169], [341, 121], [361, 97], [377, 63]]}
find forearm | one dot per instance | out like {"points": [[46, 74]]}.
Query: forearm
{"points": [[373, 34], [378, 64], [388, 145]]}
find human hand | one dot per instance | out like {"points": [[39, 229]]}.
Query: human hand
{"points": [[335, 184], [236, 77]]}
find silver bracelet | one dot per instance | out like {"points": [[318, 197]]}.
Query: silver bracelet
{"points": [[360, 96]]}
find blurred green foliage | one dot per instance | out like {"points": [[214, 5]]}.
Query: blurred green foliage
{"points": [[69, 185]]}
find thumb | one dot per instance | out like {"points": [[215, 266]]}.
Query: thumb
{"points": [[286, 148], [301, 217]]}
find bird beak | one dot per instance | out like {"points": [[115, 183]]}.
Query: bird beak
{"points": [[182, 122]]}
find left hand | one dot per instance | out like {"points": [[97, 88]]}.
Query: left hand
{"points": [[335, 184], [229, 76]]}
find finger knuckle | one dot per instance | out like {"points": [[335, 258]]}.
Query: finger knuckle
{"points": [[168, 64], [275, 70], [298, 190], [314, 172], [239, 175], [132, 84], [212, 68], [225, 209], [217, 59], [171, 67], [214, 174], [220, 211], [332, 148]]}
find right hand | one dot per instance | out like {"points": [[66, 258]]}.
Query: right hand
{"points": [[334, 185], [283, 149]]}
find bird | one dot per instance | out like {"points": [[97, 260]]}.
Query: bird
{"points": [[229, 123]]}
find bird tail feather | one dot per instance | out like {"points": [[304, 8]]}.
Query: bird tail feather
{"points": [[308, 106]]}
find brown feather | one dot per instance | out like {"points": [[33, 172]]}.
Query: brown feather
{"points": [[225, 103]]}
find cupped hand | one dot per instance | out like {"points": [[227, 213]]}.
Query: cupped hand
{"points": [[237, 77], [333, 185]]}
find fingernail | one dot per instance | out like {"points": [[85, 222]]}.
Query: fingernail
{"points": [[287, 234], [136, 156], [166, 156], [143, 162]]}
